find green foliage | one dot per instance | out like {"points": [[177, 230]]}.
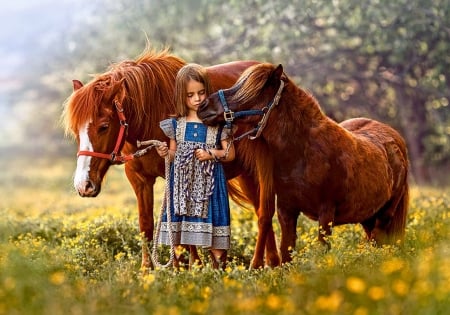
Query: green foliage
{"points": [[61, 254]]}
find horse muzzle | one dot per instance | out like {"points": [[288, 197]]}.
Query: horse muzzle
{"points": [[87, 188]]}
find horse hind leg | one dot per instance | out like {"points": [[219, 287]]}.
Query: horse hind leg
{"points": [[390, 221], [326, 220], [288, 225]]}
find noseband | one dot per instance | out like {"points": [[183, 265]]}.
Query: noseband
{"points": [[115, 157], [230, 116]]}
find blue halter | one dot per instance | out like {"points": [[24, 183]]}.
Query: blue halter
{"points": [[230, 115]]}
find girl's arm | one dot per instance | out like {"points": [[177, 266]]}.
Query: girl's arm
{"points": [[227, 153]]}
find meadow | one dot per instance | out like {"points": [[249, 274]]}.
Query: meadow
{"points": [[62, 254]]}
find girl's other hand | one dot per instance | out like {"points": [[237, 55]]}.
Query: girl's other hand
{"points": [[162, 149]]}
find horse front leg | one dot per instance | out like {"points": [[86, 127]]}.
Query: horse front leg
{"points": [[143, 186], [272, 257], [250, 189], [265, 214]]}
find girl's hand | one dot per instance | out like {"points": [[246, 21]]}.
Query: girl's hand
{"points": [[202, 155], [162, 150]]}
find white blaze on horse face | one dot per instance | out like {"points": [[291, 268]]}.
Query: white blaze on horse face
{"points": [[83, 161]]}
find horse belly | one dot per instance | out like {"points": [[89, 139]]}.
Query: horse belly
{"points": [[363, 202]]}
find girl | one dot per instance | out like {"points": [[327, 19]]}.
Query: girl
{"points": [[200, 212]]}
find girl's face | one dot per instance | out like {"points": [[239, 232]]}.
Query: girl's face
{"points": [[195, 94]]}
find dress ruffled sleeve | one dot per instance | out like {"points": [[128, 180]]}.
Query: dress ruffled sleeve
{"points": [[168, 127]]}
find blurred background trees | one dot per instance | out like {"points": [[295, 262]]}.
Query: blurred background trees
{"points": [[387, 60]]}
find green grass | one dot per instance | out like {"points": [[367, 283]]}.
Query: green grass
{"points": [[62, 254]]}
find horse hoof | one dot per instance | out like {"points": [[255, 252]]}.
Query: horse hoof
{"points": [[274, 261], [256, 264]]}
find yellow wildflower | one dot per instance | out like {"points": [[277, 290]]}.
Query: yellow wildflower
{"points": [[206, 292], [400, 287], [147, 280], [376, 293], [274, 302], [392, 265], [57, 278], [329, 303], [356, 285], [361, 311]]}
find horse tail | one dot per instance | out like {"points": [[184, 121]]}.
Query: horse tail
{"points": [[396, 229]]}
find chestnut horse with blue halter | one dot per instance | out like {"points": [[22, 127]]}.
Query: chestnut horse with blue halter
{"points": [[116, 109], [352, 172]]}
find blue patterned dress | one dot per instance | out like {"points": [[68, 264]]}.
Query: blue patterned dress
{"points": [[199, 207]]}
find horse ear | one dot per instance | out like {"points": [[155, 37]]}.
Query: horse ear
{"points": [[117, 90], [77, 85], [278, 72]]}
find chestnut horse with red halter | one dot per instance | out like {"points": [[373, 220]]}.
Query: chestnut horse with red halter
{"points": [[125, 104], [353, 172]]}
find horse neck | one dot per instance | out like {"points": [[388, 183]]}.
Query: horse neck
{"points": [[150, 100], [297, 113]]}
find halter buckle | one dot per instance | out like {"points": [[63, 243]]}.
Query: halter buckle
{"points": [[229, 116]]}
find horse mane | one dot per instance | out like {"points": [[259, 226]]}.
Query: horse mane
{"points": [[254, 79], [251, 82], [143, 86]]}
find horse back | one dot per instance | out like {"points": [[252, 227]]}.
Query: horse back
{"points": [[376, 131], [387, 138]]}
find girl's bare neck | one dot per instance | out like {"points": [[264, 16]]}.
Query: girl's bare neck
{"points": [[192, 117]]}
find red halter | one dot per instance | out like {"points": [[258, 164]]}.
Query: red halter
{"points": [[115, 157]]}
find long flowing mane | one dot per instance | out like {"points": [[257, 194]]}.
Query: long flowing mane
{"points": [[134, 81], [251, 83]]}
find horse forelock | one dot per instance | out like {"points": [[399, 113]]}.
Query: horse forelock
{"points": [[251, 82], [82, 106]]}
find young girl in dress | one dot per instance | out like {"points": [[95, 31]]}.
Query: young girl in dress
{"points": [[200, 212]]}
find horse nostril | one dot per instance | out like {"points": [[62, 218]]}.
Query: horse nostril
{"points": [[89, 186], [87, 189]]}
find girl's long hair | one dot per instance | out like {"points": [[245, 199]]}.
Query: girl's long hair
{"points": [[191, 71]]}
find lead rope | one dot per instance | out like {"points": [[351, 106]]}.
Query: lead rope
{"points": [[165, 205]]}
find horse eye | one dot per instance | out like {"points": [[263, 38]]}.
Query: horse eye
{"points": [[103, 128]]}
